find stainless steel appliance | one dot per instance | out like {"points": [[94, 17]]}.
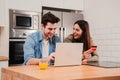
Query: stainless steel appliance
{"points": [[22, 23], [67, 19], [16, 54]]}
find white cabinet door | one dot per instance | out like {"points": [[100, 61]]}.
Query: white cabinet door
{"points": [[30, 5], [65, 4], [3, 64], [2, 12], [73, 4], [53, 3]]}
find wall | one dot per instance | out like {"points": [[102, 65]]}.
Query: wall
{"points": [[34, 5], [31, 5], [0, 35], [4, 34], [4, 42], [104, 17]]}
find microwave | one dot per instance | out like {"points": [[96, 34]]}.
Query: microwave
{"points": [[22, 23], [24, 19]]}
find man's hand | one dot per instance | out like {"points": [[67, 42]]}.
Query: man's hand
{"points": [[52, 56]]}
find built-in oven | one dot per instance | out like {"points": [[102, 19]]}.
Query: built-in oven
{"points": [[21, 23], [16, 54]]}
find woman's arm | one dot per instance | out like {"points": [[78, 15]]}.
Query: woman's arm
{"points": [[91, 54]]}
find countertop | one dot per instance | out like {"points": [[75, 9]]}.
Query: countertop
{"points": [[4, 58], [83, 72]]}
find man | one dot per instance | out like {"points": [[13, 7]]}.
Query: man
{"points": [[42, 44]]}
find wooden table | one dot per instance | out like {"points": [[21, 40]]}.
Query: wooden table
{"points": [[82, 72]]}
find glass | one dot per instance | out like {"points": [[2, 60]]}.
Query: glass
{"points": [[43, 64]]}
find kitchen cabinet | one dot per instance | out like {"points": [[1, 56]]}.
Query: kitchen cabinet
{"points": [[29, 5], [2, 13], [53, 3], [73, 4], [64, 4]]}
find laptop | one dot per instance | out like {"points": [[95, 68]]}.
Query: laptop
{"points": [[68, 54]]}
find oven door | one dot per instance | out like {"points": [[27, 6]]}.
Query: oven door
{"points": [[16, 54]]}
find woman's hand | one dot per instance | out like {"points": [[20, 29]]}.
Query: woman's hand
{"points": [[87, 54], [84, 61]]}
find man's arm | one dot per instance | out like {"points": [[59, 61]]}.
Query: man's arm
{"points": [[29, 49], [35, 61]]}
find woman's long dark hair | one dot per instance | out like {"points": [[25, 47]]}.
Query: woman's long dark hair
{"points": [[85, 38]]}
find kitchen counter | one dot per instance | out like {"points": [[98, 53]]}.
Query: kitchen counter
{"points": [[83, 72], [3, 58], [3, 63]]}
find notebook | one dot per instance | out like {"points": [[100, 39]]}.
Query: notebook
{"points": [[68, 54]]}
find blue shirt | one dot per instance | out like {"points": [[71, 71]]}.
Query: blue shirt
{"points": [[33, 45]]}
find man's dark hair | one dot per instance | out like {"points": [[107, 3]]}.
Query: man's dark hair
{"points": [[49, 17]]}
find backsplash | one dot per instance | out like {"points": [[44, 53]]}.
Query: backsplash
{"points": [[108, 40]]}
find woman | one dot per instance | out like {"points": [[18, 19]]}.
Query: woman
{"points": [[81, 34]]}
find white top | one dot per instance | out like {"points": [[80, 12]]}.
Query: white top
{"points": [[45, 49]]}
